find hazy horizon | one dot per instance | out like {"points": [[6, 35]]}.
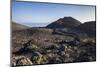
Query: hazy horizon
{"points": [[30, 24], [34, 12]]}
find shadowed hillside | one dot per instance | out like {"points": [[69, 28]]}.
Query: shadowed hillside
{"points": [[88, 28]]}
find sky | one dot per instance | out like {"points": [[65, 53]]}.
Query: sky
{"points": [[34, 12]]}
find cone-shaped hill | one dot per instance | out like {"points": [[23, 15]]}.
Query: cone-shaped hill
{"points": [[66, 22]]}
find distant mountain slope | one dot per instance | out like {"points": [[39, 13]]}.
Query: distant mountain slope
{"points": [[31, 31], [16, 26], [88, 27], [66, 22]]}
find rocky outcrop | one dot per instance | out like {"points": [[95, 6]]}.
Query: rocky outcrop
{"points": [[20, 61], [57, 53]]}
